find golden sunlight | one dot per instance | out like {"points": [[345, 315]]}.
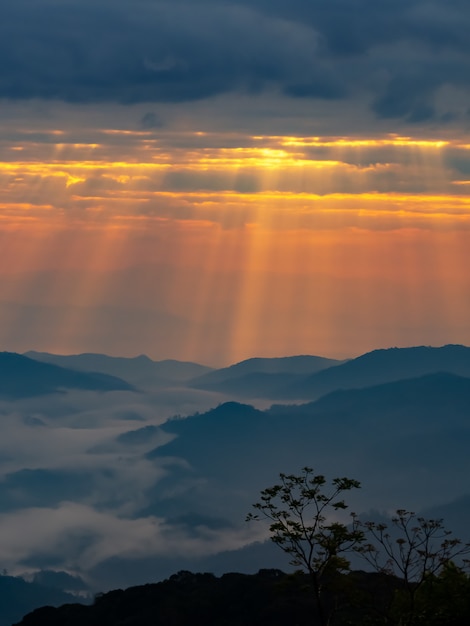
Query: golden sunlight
{"points": [[259, 234]]}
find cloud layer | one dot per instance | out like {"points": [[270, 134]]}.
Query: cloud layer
{"points": [[398, 56]]}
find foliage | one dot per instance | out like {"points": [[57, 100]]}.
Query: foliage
{"points": [[299, 510], [269, 598], [444, 600], [415, 583], [415, 550]]}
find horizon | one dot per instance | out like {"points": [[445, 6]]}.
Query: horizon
{"points": [[255, 356]]}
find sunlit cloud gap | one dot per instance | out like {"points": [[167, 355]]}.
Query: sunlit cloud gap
{"points": [[231, 209], [259, 192], [366, 143]]}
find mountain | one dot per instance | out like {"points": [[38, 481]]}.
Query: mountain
{"points": [[261, 377], [422, 401], [20, 597], [209, 441], [101, 484], [255, 385], [22, 377], [310, 377], [405, 440], [140, 371], [381, 366], [437, 400]]}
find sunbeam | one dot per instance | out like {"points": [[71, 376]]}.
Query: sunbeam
{"points": [[251, 244]]}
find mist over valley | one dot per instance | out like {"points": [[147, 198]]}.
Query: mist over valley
{"points": [[125, 483]]}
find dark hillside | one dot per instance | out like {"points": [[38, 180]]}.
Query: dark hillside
{"points": [[261, 377], [401, 437], [140, 370], [18, 596], [21, 377], [382, 366], [269, 598]]}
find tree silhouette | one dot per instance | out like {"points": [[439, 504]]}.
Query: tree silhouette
{"points": [[299, 510], [415, 550]]}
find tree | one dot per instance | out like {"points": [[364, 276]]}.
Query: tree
{"points": [[444, 600], [415, 550], [299, 510]]}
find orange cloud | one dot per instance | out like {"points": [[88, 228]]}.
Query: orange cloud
{"points": [[263, 245]]}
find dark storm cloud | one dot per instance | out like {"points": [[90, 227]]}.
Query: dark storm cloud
{"points": [[397, 54], [351, 27], [143, 51]]}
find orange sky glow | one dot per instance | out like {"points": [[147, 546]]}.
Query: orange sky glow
{"points": [[217, 247]]}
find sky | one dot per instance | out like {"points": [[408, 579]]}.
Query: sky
{"points": [[215, 180]]}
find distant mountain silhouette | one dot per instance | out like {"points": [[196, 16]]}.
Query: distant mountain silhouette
{"points": [[255, 385], [226, 415], [140, 371], [381, 366], [414, 430], [21, 377], [19, 597], [203, 439], [440, 398], [261, 377], [406, 440], [139, 436], [428, 397]]}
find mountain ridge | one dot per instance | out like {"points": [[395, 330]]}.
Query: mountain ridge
{"points": [[22, 377], [140, 370], [381, 366]]}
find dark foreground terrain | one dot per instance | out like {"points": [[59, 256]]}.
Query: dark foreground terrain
{"points": [[269, 598]]}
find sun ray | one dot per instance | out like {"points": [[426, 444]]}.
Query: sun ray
{"points": [[270, 241]]}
